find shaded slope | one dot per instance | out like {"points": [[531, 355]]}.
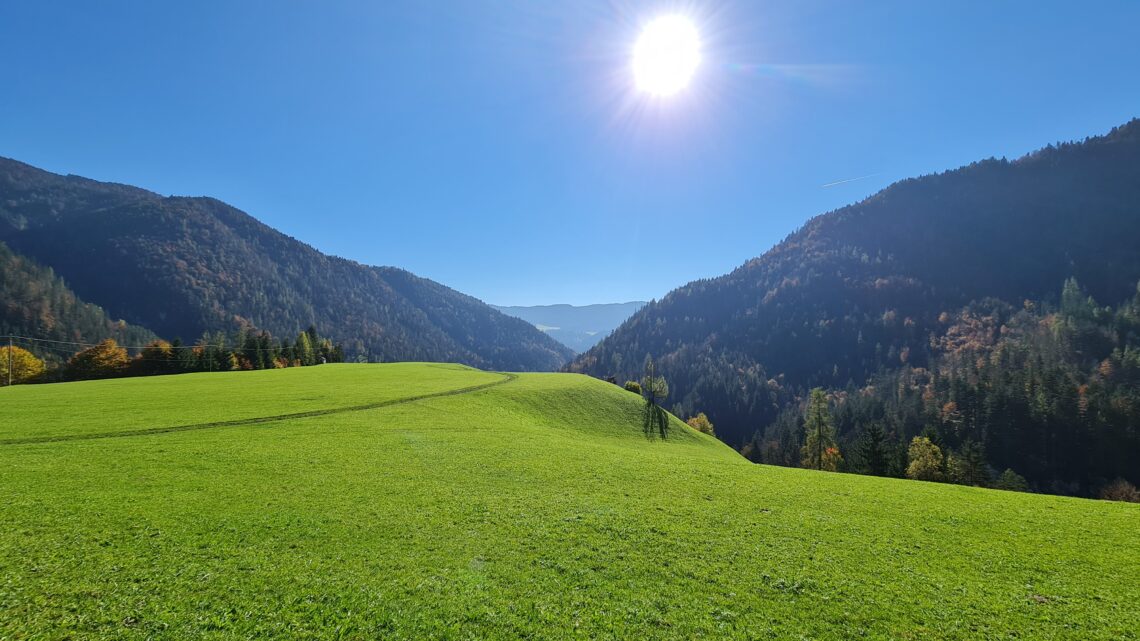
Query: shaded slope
{"points": [[34, 302], [182, 266], [860, 289]]}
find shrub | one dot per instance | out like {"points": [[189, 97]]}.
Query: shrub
{"points": [[1011, 481], [633, 386], [1120, 490], [701, 423]]}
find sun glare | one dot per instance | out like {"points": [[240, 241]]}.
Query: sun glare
{"points": [[666, 55]]}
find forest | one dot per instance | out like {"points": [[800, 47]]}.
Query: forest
{"points": [[1051, 393]]}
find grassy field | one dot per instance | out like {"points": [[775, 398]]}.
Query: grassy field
{"points": [[421, 501]]}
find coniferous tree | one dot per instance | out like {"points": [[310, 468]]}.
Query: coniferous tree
{"points": [[820, 451], [873, 450], [304, 350]]}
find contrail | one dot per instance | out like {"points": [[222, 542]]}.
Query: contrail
{"points": [[849, 180]]}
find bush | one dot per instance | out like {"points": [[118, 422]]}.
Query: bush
{"points": [[701, 423], [1120, 490], [1011, 481], [633, 386]]}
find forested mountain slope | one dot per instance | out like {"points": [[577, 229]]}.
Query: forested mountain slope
{"points": [[183, 266], [872, 287], [35, 302]]}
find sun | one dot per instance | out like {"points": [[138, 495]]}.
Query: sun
{"points": [[666, 55]]}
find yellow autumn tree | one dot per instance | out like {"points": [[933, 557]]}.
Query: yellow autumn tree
{"points": [[104, 360], [924, 460], [25, 366], [701, 423]]}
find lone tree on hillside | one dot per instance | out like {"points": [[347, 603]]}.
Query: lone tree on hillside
{"points": [[655, 390], [820, 451]]}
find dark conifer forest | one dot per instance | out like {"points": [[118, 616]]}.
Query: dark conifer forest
{"points": [[35, 302]]}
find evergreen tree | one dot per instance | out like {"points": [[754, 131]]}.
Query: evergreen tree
{"points": [[304, 350], [820, 451], [968, 465], [1011, 481], [873, 450]]}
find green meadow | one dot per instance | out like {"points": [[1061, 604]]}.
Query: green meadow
{"points": [[427, 501]]}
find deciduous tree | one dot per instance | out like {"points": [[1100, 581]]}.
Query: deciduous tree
{"points": [[25, 366], [701, 423], [924, 460], [104, 360]]}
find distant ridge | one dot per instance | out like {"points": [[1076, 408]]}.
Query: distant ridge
{"points": [[578, 327]]}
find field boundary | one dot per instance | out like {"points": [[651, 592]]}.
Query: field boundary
{"points": [[259, 420]]}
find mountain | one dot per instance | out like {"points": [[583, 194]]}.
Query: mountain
{"points": [[181, 266], [35, 302], [882, 285], [578, 327]]}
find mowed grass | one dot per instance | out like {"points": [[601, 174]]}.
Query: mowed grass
{"points": [[536, 508], [94, 407]]}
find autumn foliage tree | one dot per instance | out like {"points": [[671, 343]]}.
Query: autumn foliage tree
{"points": [[105, 360], [701, 423], [158, 357], [924, 460], [25, 366]]}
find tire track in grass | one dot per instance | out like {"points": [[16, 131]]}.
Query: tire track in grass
{"points": [[259, 420]]}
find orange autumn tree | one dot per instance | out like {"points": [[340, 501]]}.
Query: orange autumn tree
{"points": [[701, 423], [105, 360]]}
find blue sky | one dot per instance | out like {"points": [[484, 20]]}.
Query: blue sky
{"points": [[500, 147]]}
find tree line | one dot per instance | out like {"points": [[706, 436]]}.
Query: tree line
{"points": [[1038, 397], [213, 352]]}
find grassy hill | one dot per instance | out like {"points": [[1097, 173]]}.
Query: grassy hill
{"points": [[417, 501]]}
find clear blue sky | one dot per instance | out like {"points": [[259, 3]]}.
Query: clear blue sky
{"points": [[500, 147]]}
